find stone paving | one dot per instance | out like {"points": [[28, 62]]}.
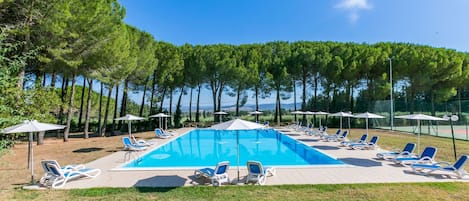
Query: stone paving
{"points": [[362, 167]]}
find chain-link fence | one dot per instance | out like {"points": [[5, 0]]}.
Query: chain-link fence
{"points": [[436, 128]]}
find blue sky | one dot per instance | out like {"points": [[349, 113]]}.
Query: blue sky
{"points": [[429, 22]]}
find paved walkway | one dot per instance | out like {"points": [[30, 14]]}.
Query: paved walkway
{"points": [[362, 168]]}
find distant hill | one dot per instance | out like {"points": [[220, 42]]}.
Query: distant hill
{"points": [[262, 107]]}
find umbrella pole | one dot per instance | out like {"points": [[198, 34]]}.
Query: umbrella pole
{"points": [[454, 143], [366, 125], [237, 149], [341, 123], [31, 156], [29, 149], [129, 129]]}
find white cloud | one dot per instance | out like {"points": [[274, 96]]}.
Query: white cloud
{"points": [[354, 7]]}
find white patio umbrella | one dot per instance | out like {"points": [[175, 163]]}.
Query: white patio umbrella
{"points": [[220, 113], [160, 116], [419, 117], [297, 112], [129, 118], [30, 126], [342, 114], [320, 113], [367, 116], [237, 124], [257, 113], [308, 113]]}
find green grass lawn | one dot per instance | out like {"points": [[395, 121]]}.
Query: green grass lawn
{"points": [[403, 191]]}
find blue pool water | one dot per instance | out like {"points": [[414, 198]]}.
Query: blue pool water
{"points": [[205, 148]]}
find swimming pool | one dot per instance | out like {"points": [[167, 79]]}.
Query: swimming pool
{"points": [[205, 148]]}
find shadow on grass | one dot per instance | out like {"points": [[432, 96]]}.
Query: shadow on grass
{"points": [[438, 175], [160, 183], [326, 147], [87, 150], [361, 162]]}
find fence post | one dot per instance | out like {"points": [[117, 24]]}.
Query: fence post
{"points": [[466, 130]]}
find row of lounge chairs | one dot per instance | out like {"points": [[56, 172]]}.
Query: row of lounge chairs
{"points": [[139, 145], [133, 146], [257, 173], [424, 163], [361, 143], [421, 164]]}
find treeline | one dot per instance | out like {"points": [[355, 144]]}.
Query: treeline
{"points": [[64, 39]]}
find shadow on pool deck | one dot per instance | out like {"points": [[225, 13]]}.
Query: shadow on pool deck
{"points": [[361, 162], [323, 147], [164, 181], [308, 140]]}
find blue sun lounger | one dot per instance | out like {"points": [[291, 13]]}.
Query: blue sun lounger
{"points": [[57, 177], [257, 173], [160, 134], [217, 176], [408, 151], [457, 168], [427, 156], [372, 144], [361, 140]]}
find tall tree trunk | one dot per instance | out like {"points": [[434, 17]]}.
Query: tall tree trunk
{"points": [[459, 103], [197, 108], [315, 100], [237, 101], [106, 111], [303, 104], [277, 108], [352, 102], [347, 95], [214, 98], [153, 85], [162, 99], [124, 102], [412, 101], [432, 102], [44, 76], [82, 102], [62, 104], [140, 113], [53, 79], [27, 39], [88, 108], [70, 109], [171, 101], [170, 106], [113, 127], [178, 115], [190, 105], [257, 97], [220, 93], [100, 107], [62, 98]]}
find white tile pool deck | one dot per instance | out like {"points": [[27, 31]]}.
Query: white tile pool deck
{"points": [[362, 168]]}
